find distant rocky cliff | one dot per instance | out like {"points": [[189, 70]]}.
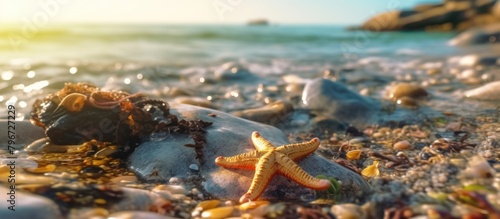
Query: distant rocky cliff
{"points": [[446, 16]]}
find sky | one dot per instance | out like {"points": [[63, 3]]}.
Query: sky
{"points": [[196, 11]]}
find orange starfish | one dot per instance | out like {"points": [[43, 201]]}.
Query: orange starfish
{"points": [[268, 160]]}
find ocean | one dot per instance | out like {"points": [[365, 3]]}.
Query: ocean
{"points": [[156, 59]]}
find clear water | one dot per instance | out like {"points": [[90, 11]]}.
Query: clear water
{"points": [[155, 59]]}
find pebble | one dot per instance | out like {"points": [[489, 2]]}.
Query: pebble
{"points": [[137, 215], [259, 212], [43, 169], [194, 167], [407, 102], [348, 211], [174, 180], [460, 162], [195, 101], [215, 213], [407, 90], [92, 171], [28, 206], [489, 91], [253, 205], [232, 71], [173, 189], [137, 200], [94, 213], [24, 178], [478, 167], [272, 113], [433, 71], [208, 204], [124, 179], [402, 145]]}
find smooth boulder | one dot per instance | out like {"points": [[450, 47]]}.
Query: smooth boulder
{"points": [[229, 135], [335, 101]]}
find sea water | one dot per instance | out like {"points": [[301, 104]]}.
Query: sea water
{"points": [[156, 59]]}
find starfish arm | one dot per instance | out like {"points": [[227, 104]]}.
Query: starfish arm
{"points": [[264, 171], [299, 150], [244, 161], [260, 143], [291, 170]]}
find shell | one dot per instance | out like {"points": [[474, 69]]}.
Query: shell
{"points": [[372, 170], [354, 154], [73, 102]]}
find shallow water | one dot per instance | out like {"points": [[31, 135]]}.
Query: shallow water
{"points": [[199, 60]]}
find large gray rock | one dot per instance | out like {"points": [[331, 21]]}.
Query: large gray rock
{"points": [[335, 101], [228, 136], [28, 206]]}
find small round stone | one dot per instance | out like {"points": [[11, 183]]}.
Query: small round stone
{"points": [[216, 213], [208, 204], [402, 145], [194, 167], [407, 90], [92, 171]]}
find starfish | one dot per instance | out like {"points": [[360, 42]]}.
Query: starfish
{"points": [[268, 160]]}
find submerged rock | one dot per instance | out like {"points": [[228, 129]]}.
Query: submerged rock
{"points": [[335, 101], [228, 136]]}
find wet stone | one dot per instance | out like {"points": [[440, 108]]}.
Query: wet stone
{"points": [[232, 71], [407, 90], [489, 91], [92, 171], [334, 101], [273, 113], [230, 136], [26, 204], [137, 214]]}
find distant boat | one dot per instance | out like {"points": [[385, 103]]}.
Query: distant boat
{"points": [[260, 22]]}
